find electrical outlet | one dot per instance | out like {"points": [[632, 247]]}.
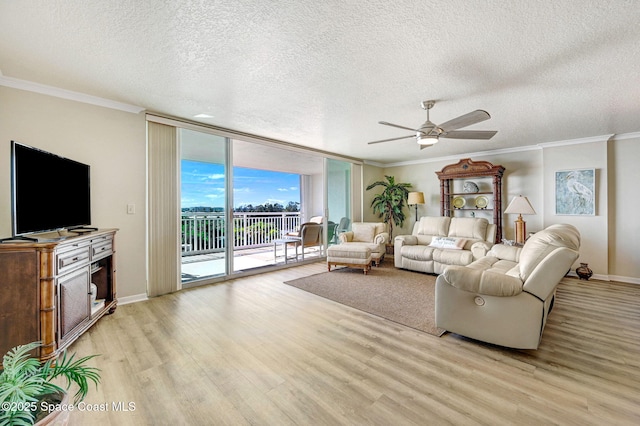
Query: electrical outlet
{"points": [[131, 208]]}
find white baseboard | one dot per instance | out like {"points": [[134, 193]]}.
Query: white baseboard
{"points": [[132, 299], [630, 280], [618, 278]]}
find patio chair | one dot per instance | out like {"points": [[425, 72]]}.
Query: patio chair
{"points": [[314, 219], [343, 226], [310, 236], [331, 232]]}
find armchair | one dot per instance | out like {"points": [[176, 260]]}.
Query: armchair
{"points": [[373, 235]]}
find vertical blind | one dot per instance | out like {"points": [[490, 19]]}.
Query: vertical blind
{"points": [[164, 220]]}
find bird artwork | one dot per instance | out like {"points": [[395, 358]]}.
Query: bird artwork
{"points": [[575, 192]]}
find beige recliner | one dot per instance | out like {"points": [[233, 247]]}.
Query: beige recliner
{"points": [[373, 235], [505, 297]]}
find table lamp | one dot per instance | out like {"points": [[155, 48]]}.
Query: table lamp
{"points": [[415, 198], [520, 205]]}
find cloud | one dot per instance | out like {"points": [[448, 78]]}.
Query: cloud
{"points": [[216, 176], [274, 201]]}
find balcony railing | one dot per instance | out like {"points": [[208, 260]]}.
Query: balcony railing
{"points": [[205, 232]]}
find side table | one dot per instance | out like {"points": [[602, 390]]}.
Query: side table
{"points": [[296, 241]]}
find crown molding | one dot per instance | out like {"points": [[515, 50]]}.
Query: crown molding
{"points": [[43, 89], [591, 139], [624, 136], [457, 156], [544, 145]]}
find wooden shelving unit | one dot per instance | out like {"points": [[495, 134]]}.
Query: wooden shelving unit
{"points": [[452, 178]]}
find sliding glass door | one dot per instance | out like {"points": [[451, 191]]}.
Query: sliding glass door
{"points": [[338, 198], [236, 205], [204, 204]]}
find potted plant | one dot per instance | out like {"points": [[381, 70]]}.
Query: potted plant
{"points": [[28, 393], [390, 203]]}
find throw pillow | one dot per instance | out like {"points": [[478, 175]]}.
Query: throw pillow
{"points": [[448, 243]]}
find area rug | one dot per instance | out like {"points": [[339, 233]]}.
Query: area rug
{"points": [[401, 296]]}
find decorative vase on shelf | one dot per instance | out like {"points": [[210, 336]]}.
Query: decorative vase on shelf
{"points": [[583, 271]]}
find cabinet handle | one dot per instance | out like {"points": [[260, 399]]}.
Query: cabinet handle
{"points": [[74, 259]]}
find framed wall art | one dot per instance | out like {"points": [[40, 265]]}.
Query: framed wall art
{"points": [[576, 192]]}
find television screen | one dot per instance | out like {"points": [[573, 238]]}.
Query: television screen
{"points": [[49, 192]]}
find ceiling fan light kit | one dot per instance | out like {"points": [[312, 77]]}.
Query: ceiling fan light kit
{"points": [[429, 134], [428, 140]]}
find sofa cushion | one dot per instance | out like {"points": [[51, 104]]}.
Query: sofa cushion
{"points": [[452, 257], [448, 243], [418, 252], [434, 225], [468, 227], [442, 256]]}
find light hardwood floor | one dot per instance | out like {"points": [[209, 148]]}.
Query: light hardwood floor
{"points": [[257, 351]]}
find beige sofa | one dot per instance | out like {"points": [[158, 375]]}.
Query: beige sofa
{"points": [[505, 297], [373, 235], [437, 242]]}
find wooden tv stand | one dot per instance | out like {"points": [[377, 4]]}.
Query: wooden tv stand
{"points": [[46, 289]]}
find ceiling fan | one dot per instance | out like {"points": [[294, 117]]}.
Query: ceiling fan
{"points": [[429, 133]]}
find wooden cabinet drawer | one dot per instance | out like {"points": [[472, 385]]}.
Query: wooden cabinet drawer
{"points": [[72, 259], [102, 249]]}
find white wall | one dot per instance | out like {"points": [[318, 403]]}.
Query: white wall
{"points": [[624, 205], [593, 229], [609, 239], [111, 142], [519, 178]]}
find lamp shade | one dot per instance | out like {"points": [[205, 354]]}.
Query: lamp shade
{"points": [[415, 198], [520, 205]]}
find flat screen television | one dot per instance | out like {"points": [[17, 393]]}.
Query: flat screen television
{"points": [[48, 192]]}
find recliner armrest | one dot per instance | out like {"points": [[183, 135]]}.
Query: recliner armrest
{"points": [[405, 240], [482, 282], [480, 249], [504, 252]]}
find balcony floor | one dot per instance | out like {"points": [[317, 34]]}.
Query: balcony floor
{"points": [[200, 266]]}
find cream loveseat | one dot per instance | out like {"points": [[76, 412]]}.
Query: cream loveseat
{"points": [[373, 235], [437, 242], [505, 297]]}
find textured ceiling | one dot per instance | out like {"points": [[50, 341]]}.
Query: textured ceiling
{"points": [[323, 73]]}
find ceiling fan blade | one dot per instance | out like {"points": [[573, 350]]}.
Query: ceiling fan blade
{"points": [[469, 134], [392, 139], [395, 125], [465, 120]]}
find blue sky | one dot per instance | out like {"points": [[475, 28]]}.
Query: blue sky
{"points": [[203, 185]]}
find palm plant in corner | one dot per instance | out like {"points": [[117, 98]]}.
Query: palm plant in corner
{"points": [[27, 390], [389, 204]]}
